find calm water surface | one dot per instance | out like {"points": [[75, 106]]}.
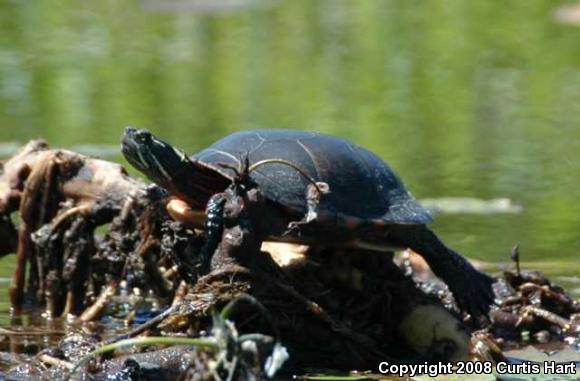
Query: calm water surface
{"points": [[464, 98]]}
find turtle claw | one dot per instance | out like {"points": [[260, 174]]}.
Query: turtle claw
{"points": [[294, 228], [473, 293], [471, 288]]}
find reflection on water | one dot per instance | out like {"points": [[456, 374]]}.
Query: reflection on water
{"points": [[476, 99]]}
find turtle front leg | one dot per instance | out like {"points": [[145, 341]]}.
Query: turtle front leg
{"points": [[471, 288], [214, 224]]}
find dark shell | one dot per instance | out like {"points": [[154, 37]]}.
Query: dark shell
{"points": [[361, 184]]}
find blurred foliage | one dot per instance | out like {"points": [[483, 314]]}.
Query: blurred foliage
{"points": [[473, 98]]}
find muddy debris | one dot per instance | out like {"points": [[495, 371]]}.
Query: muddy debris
{"points": [[96, 249], [530, 309], [533, 309]]}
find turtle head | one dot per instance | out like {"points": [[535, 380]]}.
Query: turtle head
{"points": [[153, 157]]}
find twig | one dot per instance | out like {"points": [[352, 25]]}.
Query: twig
{"points": [[53, 361], [151, 323], [551, 317], [99, 305]]}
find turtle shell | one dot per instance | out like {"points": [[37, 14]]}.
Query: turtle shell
{"points": [[361, 184]]}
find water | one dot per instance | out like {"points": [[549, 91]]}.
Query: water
{"points": [[465, 99]]}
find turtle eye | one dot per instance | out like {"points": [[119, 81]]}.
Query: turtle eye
{"points": [[142, 136]]}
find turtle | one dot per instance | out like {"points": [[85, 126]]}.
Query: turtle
{"points": [[320, 190]]}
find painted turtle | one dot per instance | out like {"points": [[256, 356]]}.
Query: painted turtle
{"points": [[367, 204]]}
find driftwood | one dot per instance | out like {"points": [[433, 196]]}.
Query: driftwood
{"points": [[61, 198]]}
